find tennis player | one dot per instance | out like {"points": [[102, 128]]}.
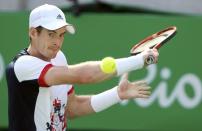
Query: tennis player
{"points": [[40, 81]]}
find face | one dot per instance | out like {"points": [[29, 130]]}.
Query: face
{"points": [[47, 43]]}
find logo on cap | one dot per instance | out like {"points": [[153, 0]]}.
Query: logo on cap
{"points": [[59, 17]]}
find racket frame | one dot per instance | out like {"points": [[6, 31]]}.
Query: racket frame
{"points": [[158, 45]]}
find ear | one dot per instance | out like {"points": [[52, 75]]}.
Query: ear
{"points": [[32, 33]]}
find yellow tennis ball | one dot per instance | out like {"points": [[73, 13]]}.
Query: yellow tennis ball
{"points": [[108, 65]]}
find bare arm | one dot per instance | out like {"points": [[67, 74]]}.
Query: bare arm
{"points": [[86, 104], [78, 105], [87, 72], [90, 72]]}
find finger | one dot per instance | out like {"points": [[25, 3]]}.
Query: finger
{"points": [[156, 59], [142, 96], [156, 54], [145, 88], [141, 87], [144, 92], [123, 83], [124, 77], [155, 50], [139, 83]]}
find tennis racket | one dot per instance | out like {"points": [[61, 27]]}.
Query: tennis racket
{"points": [[156, 40]]}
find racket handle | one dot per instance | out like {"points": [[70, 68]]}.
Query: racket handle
{"points": [[150, 60]]}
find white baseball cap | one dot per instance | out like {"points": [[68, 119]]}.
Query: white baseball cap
{"points": [[49, 17]]}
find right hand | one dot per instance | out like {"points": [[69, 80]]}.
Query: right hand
{"points": [[150, 53], [131, 90]]}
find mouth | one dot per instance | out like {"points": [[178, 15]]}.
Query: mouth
{"points": [[54, 48]]}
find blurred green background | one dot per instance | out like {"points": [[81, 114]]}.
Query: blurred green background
{"points": [[175, 103]]}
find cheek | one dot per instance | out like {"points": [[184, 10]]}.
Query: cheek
{"points": [[42, 46], [61, 41], [44, 42]]}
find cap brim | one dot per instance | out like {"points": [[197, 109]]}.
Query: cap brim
{"points": [[54, 25]]}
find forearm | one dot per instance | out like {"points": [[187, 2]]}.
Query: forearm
{"points": [[86, 104], [105, 99], [90, 72], [83, 105], [94, 71], [87, 72], [80, 106]]}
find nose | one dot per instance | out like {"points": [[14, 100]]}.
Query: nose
{"points": [[57, 41]]}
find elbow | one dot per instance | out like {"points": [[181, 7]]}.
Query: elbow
{"points": [[71, 117], [87, 75], [70, 114]]}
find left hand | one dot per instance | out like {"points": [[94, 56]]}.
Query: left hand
{"points": [[129, 90], [152, 53]]}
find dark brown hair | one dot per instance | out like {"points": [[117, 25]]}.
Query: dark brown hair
{"points": [[39, 29]]}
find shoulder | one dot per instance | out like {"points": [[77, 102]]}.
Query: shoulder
{"points": [[29, 61], [60, 59], [28, 66]]}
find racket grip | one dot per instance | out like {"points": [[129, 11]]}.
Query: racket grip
{"points": [[150, 60]]}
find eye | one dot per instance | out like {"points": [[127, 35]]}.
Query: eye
{"points": [[51, 35], [62, 35]]}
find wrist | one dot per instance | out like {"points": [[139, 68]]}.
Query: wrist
{"points": [[128, 64], [104, 100]]}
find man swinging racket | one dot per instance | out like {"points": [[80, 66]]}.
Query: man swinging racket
{"points": [[40, 81]]}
